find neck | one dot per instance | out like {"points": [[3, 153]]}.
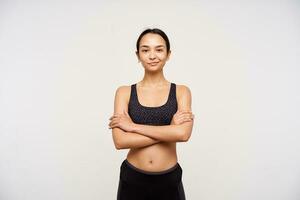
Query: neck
{"points": [[153, 80]]}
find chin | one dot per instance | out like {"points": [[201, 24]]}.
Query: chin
{"points": [[154, 69]]}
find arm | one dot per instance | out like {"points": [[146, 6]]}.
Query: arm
{"points": [[171, 133], [130, 140], [122, 139]]}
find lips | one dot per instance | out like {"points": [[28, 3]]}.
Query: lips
{"points": [[153, 63]]}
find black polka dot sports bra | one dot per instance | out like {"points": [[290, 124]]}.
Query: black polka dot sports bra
{"points": [[159, 115]]}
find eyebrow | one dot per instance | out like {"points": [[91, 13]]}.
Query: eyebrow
{"points": [[148, 46]]}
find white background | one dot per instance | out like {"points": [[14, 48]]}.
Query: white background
{"points": [[61, 62]]}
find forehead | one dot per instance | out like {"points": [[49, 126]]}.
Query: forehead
{"points": [[152, 39]]}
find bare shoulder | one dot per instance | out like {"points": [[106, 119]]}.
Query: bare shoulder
{"points": [[184, 97], [183, 90], [122, 95], [123, 90]]}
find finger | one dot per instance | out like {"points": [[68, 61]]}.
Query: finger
{"points": [[112, 117], [183, 120], [186, 120], [114, 121], [179, 113], [185, 116], [115, 115], [190, 116], [110, 125], [189, 119], [181, 117], [114, 124], [185, 111], [118, 116]]}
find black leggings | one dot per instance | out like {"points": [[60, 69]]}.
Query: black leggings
{"points": [[137, 184]]}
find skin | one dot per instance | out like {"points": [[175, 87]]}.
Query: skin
{"points": [[152, 148]]}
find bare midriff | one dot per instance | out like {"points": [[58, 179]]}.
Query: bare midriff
{"points": [[154, 158]]}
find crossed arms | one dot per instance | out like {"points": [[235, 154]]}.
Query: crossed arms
{"points": [[127, 134]]}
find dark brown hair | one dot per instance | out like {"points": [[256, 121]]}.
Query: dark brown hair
{"points": [[155, 31]]}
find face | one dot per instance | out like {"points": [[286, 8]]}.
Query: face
{"points": [[153, 52]]}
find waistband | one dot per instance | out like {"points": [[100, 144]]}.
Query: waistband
{"points": [[149, 172], [132, 174]]}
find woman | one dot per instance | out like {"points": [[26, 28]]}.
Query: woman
{"points": [[149, 118]]}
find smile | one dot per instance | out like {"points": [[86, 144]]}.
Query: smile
{"points": [[153, 63]]}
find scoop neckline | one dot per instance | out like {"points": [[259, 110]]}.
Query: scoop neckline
{"points": [[151, 107]]}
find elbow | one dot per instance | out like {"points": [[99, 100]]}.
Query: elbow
{"points": [[185, 134], [185, 137], [117, 139], [118, 145]]}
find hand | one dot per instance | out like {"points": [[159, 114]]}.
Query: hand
{"points": [[182, 116], [122, 121]]}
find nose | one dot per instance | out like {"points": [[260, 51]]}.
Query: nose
{"points": [[152, 55]]}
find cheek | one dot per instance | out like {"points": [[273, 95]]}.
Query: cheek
{"points": [[143, 57], [162, 57]]}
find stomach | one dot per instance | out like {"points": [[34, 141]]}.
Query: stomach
{"points": [[154, 158]]}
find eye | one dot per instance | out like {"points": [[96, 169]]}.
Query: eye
{"points": [[144, 50], [159, 49]]}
